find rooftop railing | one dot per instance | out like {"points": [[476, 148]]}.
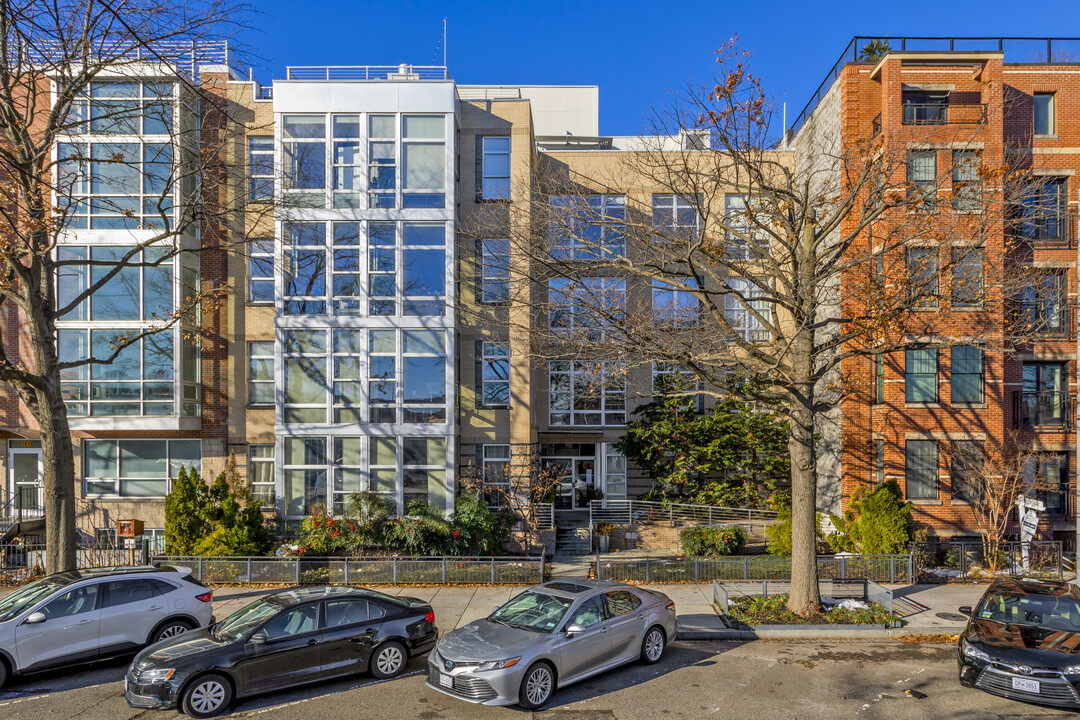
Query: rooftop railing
{"points": [[186, 56], [870, 50], [366, 72]]}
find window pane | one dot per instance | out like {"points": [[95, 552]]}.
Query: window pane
{"points": [[423, 451], [185, 453], [425, 166], [424, 126], [101, 459], [142, 458], [425, 272], [425, 380], [383, 451], [303, 126]]}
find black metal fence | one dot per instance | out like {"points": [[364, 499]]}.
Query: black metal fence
{"points": [[879, 568], [984, 561], [362, 571]]}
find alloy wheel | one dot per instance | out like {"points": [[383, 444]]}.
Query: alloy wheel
{"points": [[654, 645], [207, 697], [538, 686], [172, 631]]}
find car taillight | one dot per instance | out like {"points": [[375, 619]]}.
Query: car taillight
{"points": [[430, 617], [205, 597], [671, 605]]}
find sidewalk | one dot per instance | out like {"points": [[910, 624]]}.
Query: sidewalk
{"points": [[921, 607]]}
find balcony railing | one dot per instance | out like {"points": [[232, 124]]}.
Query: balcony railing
{"points": [[1042, 409], [1049, 227], [366, 72], [944, 114]]}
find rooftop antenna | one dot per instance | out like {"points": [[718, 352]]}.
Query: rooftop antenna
{"points": [[442, 43]]}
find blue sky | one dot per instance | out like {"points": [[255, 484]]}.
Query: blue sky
{"points": [[635, 51]]}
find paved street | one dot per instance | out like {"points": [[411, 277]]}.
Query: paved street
{"points": [[695, 680]]}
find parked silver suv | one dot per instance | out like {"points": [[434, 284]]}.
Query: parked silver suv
{"points": [[78, 616]]}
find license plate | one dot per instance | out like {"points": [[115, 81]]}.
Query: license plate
{"points": [[1031, 686], [447, 681]]}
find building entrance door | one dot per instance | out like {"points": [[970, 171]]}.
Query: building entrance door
{"points": [[25, 480]]}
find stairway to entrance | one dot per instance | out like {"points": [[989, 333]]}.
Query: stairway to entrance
{"points": [[573, 553]]}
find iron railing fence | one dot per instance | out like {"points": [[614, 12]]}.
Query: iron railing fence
{"points": [[879, 568], [362, 571], [860, 589], [1042, 409], [185, 56], [366, 72], [651, 512], [983, 561], [19, 563], [1061, 50], [545, 516], [944, 113]]}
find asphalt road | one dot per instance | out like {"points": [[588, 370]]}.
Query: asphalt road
{"points": [[800, 681]]}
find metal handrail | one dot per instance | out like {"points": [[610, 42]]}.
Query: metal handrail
{"points": [[944, 113], [900, 43], [1051, 401], [366, 72]]}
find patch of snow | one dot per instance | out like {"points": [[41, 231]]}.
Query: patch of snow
{"points": [[849, 604], [944, 572]]}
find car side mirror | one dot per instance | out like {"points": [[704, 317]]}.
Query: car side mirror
{"points": [[258, 638], [574, 630], [966, 610], [496, 608], [35, 617]]}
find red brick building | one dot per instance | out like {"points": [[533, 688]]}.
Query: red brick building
{"points": [[961, 110]]}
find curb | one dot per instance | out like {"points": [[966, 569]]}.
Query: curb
{"points": [[796, 632]]}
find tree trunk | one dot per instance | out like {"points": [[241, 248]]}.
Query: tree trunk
{"points": [[57, 456], [805, 597]]}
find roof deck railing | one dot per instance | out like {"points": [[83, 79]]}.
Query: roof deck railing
{"points": [[366, 72], [186, 56], [870, 49]]}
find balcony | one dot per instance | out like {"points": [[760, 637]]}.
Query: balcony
{"points": [[933, 113], [1042, 409], [1049, 227]]}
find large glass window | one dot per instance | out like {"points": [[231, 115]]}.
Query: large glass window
{"points": [[346, 161], [116, 186], [382, 376], [496, 168], [348, 472], [674, 217], [123, 107], [1048, 476], [423, 150], [424, 471], [347, 284], [1043, 113], [382, 466], [967, 277], [423, 268], [588, 227], [586, 309], [966, 470], [135, 288], [260, 272], [495, 363], [261, 474], [1044, 395], [749, 222], [921, 477], [676, 303], [966, 181], [745, 314], [136, 468], [496, 469], [1043, 305], [494, 271], [305, 395], [922, 178], [920, 375], [1045, 209], [586, 393], [138, 381], [424, 376], [348, 383], [966, 376], [304, 158], [305, 470], [923, 276], [382, 161], [305, 268], [261, 169], [382, 268], [261, 373]]}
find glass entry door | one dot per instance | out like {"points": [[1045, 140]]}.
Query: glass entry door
{"points": [[25, 481]]}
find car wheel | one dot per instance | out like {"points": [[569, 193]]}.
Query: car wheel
{"points": [[536, 686], [652, 646], [3, 673], [389, 660], [170, 629], [207, 696]]}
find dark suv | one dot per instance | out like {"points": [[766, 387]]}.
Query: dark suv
{"points": [[1022, 642]]}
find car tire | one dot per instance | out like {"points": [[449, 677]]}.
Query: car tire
{"points": [[653, 645], [3, 673], [168, 629], [537, 686], [206, 696], [389, 660]]}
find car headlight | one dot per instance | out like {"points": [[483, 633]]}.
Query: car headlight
{"points": [[1071, 670], [498, 664], [974, 653], [156, 675]]}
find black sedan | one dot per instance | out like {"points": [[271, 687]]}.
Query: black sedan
{"points": [[1022, 642], [284, 639]]}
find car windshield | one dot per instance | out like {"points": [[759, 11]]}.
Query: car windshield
{"points": [[246, 619], [532, 610], [14, 604], [1045, 611]]}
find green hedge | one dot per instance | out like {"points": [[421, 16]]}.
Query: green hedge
{"points": [[705, 541]]}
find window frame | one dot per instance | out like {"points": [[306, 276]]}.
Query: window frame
{"points": [[924, 187], [486, 175], [612, 395], [261, 186], [494, 271], [909, 359], [171, 467], [980, 374], [739, 317], [254, 382], [258, 251], [967, 184], [1051, 120], [490, 356], [490, 456], [933, 492], [256, 487]]}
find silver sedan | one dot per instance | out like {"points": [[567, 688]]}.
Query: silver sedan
{"points": [[550, 636]]}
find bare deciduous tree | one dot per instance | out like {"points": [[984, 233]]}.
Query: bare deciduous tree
{"points": [[77, 81], [752, 262]]}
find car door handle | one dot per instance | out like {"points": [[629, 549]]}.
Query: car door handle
{"points": [[155, 607], [603, 630], [641, 616], [85, 622], [314, 641]]}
